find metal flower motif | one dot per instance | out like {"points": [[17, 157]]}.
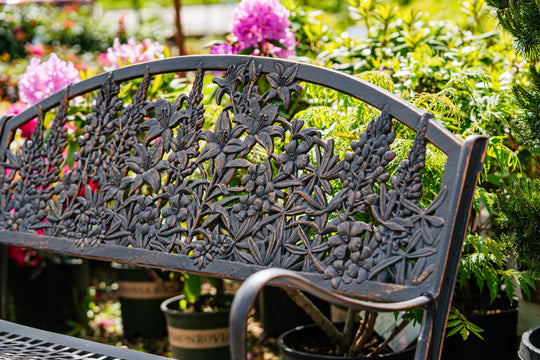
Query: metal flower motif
{"points": [[234, 76], [222, 143], [258, 181], [283, 83], [345, 245], [146, 164], [176, 211], [259, 126], [113, 187], [295, 157], [167, 117], [214, 245]]}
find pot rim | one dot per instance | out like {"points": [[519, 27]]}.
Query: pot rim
{"points": [[526, 338], [285, 348], [165, 307]]}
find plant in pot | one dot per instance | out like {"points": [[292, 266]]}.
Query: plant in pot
{"points": [[483, 319], [198, 320], [484, 314], [360, 336], [519, 210]]}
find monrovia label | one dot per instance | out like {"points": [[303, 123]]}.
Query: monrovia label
{"points": [[197, 338], [146, 289]]}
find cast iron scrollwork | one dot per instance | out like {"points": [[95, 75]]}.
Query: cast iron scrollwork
{"points": [[150, 175]]}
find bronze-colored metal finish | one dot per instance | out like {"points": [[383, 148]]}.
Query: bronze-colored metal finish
{"points": [[253, 191]]}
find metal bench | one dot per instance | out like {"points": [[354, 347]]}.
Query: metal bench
{"points": [[178, 196]]}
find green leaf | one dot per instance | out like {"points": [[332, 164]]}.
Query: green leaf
{"points": [[212, 281], [277, 43], [246, 51], [158, 83], [464, 333], [192, 288], [183, 304], [454, 330]]}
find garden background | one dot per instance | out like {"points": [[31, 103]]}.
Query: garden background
{"points": [[452, 59]]}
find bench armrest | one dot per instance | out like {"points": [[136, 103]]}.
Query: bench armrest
{"points": [[247, 293]]}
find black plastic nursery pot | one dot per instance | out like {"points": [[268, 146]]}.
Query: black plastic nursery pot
{"points": [[529, 349], [196, 335], [292, 342], [49, 295], [279, 313], [140, 299], [499, 335]]}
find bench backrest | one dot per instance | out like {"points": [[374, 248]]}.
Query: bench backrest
{"points": [[154, 184]]}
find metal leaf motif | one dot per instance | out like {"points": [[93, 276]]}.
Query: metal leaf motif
{"points": [[150, 175]]}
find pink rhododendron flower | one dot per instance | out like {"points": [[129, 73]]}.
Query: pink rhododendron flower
{"points": [[43, 79], [224, 48], [289, 41], [133, 52], [256, 22], [28, 128], [103, 59], [16, 108]]}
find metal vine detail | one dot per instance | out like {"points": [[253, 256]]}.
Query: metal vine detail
{"points": [[256, 189]]}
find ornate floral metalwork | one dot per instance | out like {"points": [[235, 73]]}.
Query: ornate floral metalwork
{"points": [[167, 183]]}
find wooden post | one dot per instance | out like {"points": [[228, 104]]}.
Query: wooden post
{"points": [[179, 35]]}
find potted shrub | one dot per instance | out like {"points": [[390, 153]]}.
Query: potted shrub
{"points": [[484, 314], [483, 319], [520, 219], [358, 337], [198, 321]]}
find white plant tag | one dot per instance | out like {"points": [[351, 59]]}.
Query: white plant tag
{"points": [[385, 324]]}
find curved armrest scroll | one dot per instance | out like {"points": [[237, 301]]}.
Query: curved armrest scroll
{"points": [[247, 293]]}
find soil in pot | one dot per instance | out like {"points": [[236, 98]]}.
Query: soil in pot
{"points": [[197, 335], [310, 342]]}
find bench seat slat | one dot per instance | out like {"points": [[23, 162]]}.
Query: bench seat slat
{"points": [[19, 342]]}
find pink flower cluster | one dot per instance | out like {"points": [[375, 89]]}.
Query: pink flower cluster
{"points": [[28, 128], [133, 52], [43, 79], [256, 24], [24, 257]]}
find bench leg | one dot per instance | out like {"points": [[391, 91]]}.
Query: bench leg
{"points": [[3, 281]]}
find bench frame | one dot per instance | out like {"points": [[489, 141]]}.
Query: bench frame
{"points": [[464, 163]]}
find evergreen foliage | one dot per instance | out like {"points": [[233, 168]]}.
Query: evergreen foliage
{"points": [[529, 100], [522, 19], [520, 218]]}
